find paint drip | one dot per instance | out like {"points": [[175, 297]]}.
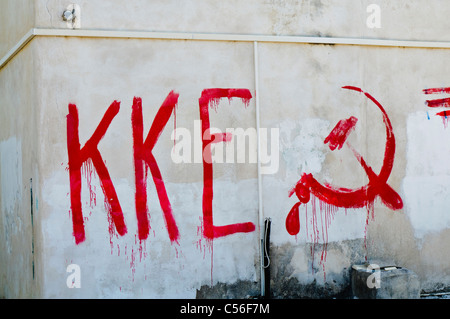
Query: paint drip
{"points": [[445, 117]]}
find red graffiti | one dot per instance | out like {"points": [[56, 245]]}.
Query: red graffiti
{"points": [[443, 102], [79, 156], [143, 158], [443, 114], [210, 98], [339, 134], [344, 197], [437, 90]]}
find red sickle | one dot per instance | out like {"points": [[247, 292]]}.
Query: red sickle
{"points": [[344, 197]]}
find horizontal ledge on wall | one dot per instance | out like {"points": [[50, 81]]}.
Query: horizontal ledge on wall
{"points": [[123, 34], [236, 37]]}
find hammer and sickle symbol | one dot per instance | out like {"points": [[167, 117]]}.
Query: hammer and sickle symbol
{"points": [[344, 197]]}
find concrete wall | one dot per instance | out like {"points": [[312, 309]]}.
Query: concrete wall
{"points": [[407, 20], [19, 176], [300, 97]]}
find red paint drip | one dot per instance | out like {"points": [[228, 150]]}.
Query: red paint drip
{"points": [[293, 220], [133, 263], [142, 250], [175, 123], [445, 117], [78, 156], [213, 96], [316, 225], [87, 169]]}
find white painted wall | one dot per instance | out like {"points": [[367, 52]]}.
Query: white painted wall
{"points": [[19, 165]]}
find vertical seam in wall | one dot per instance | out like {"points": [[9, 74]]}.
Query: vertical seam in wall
{"points": [[32, 227], [258, 139]]}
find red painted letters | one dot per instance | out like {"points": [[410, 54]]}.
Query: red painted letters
{"points": [[144, 158], [89, 152], [210, 98]]}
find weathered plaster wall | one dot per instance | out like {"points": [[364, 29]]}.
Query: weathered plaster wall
{"points": [[16, 19], [301, 96], [305, 118], [19, 169], [403, 19], [133, 266]]}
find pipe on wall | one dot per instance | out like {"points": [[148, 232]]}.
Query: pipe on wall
{"points": [[258, 137]]}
